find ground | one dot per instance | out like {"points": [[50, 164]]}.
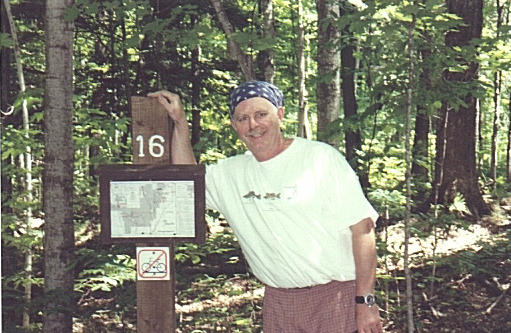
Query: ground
{"points": [[461, 280]]}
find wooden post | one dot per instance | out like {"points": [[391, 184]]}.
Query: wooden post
{"points": [[153, 204], [151, 133]]}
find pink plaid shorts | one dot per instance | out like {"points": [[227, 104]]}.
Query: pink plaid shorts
{"points": [[325, 308]]}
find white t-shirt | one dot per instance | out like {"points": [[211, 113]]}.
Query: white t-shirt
{"points": [[292, 213]]}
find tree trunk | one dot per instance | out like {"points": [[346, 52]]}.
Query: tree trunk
{"points": [[497, 84], [420, 154], [408, 273], [353, 138], [5, 62], [304, 128], [27, 161], [244, 60], [328, 61], [265, 57], [58, 169], [196, 82], [497, 78], [459, 167], [508, 150]]}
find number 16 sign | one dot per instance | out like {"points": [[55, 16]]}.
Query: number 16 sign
{"points": [[151, 125]]}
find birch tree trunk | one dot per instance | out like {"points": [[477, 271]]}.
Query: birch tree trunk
{"points": [[497, 85], [196, 82], [58, 170], [508, 150], [328, 60], [304, 128], [27, 162], [408, 274]]}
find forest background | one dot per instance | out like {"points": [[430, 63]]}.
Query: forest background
{"points": [[416, 94]]}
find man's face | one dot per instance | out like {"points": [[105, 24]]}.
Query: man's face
{"points": [[257, 123]]}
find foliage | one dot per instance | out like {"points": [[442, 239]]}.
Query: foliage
{"points": [[132, 47]]}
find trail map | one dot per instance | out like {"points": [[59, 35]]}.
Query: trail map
{"points": [[152, 209]]}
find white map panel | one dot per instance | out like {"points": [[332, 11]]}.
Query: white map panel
{"points": [[152, 208]]}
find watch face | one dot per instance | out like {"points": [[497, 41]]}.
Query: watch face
{"points": [[370, 299]]}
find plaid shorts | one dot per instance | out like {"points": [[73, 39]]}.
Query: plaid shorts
{"points": [[325, 308]]}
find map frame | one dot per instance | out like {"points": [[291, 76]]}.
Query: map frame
{"points": [[151, 173]]}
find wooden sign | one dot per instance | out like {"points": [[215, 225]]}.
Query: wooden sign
{"points": [[151, 131], [153, 204]]}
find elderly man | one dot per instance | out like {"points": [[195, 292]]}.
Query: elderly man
{"points": [[298, 211]]}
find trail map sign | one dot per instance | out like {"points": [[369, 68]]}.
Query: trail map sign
{"points": [[152, 208], [141, 203]]}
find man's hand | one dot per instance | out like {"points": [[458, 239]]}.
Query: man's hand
{"points": [[181, 148], [172, 103], [368, 319]]}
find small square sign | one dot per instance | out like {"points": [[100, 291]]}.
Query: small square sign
{"points": [[153, 263]]}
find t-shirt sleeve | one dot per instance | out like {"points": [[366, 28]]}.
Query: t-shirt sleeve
{"points": [[213, 177], [351, 203]]}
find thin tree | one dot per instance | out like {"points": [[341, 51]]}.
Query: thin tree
{"points": [[353, 137], [408, 275], [420, 150], [508, 149], [497, 85], [265, 58], [304, 128], [328, 62], [58, 169], [196, 85], [26, 161]]}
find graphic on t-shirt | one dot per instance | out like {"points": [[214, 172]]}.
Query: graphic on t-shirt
{"points": [[267, 196], [272, 196], [251, 195]]}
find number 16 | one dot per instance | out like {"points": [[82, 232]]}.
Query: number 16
{"points": [[156, 148]]}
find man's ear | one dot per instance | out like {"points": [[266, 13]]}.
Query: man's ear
{"points": [[280, 113]]}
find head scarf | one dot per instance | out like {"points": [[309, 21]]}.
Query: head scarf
{"points": [[252, 89]]}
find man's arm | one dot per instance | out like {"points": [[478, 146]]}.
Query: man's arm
{"points": [[364, 252], [181, 147]]}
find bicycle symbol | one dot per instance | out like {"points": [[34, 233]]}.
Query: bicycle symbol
{"points": [[154, 267], [153, 263]]}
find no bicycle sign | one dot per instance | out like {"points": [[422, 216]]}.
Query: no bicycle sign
{"points": [[153, 263]]}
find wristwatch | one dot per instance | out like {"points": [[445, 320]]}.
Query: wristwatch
{"points": [[368, 299]]}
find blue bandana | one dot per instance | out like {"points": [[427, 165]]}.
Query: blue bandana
{"points": [[252, 89]]}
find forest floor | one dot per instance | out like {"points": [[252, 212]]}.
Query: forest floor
{"points": [[461, 281]]}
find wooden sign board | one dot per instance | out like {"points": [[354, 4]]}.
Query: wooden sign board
{"points": [[151, 131], [152, 203]]}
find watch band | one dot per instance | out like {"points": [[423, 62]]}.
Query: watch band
{"points": [[360, 299]]}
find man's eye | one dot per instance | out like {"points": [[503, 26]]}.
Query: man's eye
{"points": [[242, 119], [261, 114]]}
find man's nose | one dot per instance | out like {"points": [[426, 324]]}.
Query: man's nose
{"points": [[252, 123]]}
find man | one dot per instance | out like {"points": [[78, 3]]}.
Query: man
{"points": [[298, 211]]}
